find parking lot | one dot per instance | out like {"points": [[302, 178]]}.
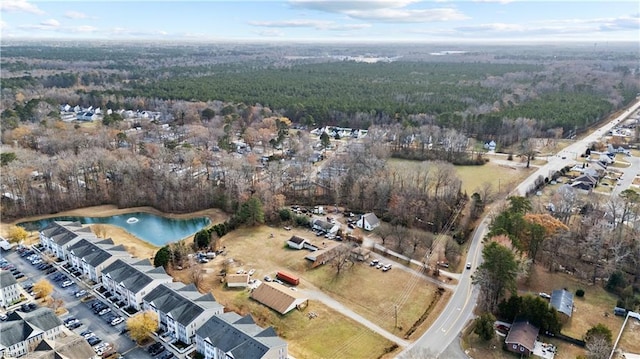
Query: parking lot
{"points": [[81, 318]]}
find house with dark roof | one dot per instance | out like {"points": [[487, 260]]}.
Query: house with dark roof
{"points": [[22, 332], [229, 335], [130, 279], [325, 226], [278, 297], [91, 257], [296, 242], [58, 236], [64, 347], [181, 309], [562, 301], [368, 222], [522, 338], [324, 255], [9, 288]]}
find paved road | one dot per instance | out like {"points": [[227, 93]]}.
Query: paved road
{"points": [[568, 155], [460, 308]]}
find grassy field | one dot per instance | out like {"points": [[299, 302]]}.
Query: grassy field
{"points": [[365, 290], [595, 307], [329, 335], [474, 177]]}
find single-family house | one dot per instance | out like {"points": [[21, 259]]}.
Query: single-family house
{"points": [[562, 301], [21, 332], [368, 222], [86, 116], [324, 255], [584, 182], [360, 254], [296, 242], [237, 280], [64, 347], [278, 297], [9, 288], [522, 338], [181, 309], [129, 280], [91, 257], [321, 225], [229, 335], [605, 159], [490, 146]]}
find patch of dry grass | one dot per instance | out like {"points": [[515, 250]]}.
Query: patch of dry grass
{"points": [[595, 307], [329, 335]]}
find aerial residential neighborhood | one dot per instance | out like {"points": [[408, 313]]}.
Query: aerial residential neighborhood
{"points": [[308, 179]]}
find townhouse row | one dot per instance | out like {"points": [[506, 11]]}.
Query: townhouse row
{"points": [[183, 312]]}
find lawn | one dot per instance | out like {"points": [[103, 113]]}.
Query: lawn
{"points": [[365, 290], [595, 307]]}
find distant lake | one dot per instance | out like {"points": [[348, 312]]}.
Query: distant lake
{"points": [[156, 230]]}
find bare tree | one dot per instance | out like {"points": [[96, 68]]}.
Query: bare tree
{"points": [[342, 259]]}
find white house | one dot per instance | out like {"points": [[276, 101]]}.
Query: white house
{"points": [[237, 280], [9, 288], [21, 332], [296, 242], [181, 309], [329, 228], [368, 222], [129, 280], [229, 335]]}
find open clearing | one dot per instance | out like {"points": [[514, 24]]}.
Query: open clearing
{"points": [[367, 291], [501, 176]]}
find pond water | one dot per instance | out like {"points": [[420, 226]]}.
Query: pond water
{"points": [[150, 228]]}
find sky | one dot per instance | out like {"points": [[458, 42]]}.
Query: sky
{"points": [[324, 20]]}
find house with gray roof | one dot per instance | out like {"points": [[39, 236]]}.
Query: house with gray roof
{"points": [[562, 301], [58, 236], [9, 288], [91, 257], [229, 335], [181, 309], [326, 227], [21, 332], [64, 347], [130, 279], [368, 222]]}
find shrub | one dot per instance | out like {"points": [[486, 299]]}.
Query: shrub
{"points": [[580, 293]]}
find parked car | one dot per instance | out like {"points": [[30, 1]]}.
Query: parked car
{"points": [[117, 321], [80, 293], [374, 263], [94, 341], [67, 283], [104, 311]]}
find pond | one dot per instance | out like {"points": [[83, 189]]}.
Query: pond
{"points": [[150, 228]]}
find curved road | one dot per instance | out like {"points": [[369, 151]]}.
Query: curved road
{"points": [[463, 301]]}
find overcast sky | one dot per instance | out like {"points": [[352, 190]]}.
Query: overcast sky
{"points": [[325, 20]]}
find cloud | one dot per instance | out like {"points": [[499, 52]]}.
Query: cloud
{"points": [[75, 15], [19, 6], [382, 10], [270, 33], [3, 25], [495, 1], [50, 23], [308, 23], [574, 27]]}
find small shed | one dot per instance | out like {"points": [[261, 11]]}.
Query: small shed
{"points": [[360, 254], [562, 301], [237, 280], [296, 242]]}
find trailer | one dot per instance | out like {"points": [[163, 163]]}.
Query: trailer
{"points": [[289, 278]]}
